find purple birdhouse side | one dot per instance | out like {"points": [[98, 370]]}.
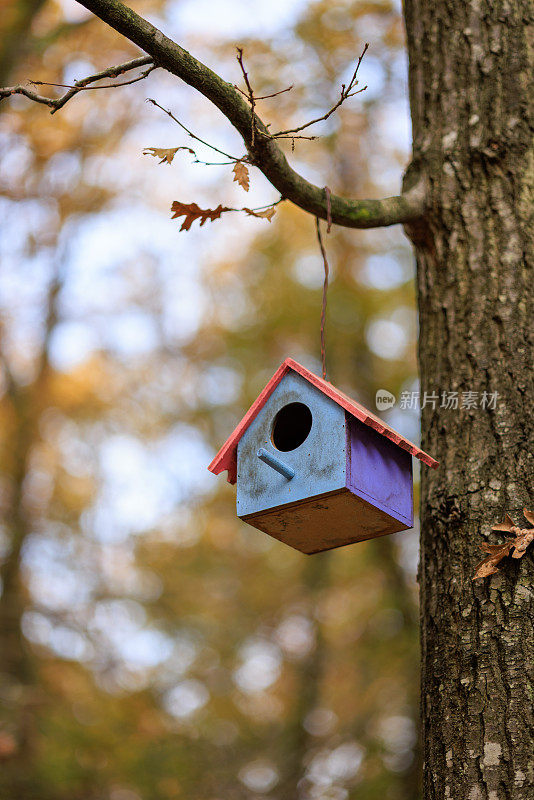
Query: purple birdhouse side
{"points": [[379, 471]]}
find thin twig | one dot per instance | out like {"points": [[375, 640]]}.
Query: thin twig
{"points": [[110, 72], [163, 153], [346, 92], [233, 159], [260, 208], [213, 163], [243, 70], [37, 98], [251, 97], [263, 96], [290, 131], [274, 94], [288, 136], [92, 88]]}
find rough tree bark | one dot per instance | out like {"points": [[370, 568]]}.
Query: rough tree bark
{"points": [[471, 68]]}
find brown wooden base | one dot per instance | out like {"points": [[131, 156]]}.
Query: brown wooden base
{"points": [[326, 521]]}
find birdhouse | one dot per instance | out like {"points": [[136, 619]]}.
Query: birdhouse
{"points": [[315, 469]]}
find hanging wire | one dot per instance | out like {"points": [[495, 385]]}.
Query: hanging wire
{"points": [[326, 275]]}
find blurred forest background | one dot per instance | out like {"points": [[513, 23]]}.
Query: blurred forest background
{"points": [[153, 646]]}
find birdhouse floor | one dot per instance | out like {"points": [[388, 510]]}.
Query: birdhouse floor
{"points": [[326, 521]]}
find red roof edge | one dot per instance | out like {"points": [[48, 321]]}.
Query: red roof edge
{"points": [[226, 458]]}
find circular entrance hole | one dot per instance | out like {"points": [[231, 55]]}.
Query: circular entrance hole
{"points": [[291, 426]]}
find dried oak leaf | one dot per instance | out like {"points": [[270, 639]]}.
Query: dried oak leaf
{"points": [[241, 175], [267, 214], [507, 525], [488, 566], [192, 212], [516, 547], [522, 541], [166, 155]]}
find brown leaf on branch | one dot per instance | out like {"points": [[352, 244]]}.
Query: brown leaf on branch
{"points": [[241, 175], [192, 212], [516, 547], [267, 214], [166, 155]]}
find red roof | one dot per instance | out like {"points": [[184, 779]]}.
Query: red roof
{"points": [[226, 458]]}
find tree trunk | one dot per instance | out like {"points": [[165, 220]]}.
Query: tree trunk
{"points": [[17, 668], [19, 679], [471, 67]]}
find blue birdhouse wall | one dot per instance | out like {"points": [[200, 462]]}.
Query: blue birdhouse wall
{"points": [[319, 461]]}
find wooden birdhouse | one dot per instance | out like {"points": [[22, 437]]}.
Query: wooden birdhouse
{"points": [[315, 469]]}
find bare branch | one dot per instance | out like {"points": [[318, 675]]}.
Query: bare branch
{"points": [[346, 92], [260, 208], [11, 90], [264, 153], [265, 96], [292, 137], [245, 73], [288, 134], [193, 135], [111, 72], [250, 97], [166, 156], [79, 86]]}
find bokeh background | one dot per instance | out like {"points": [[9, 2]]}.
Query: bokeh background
{"points": [[152, 646]]}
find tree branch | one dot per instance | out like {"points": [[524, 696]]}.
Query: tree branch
{"points": [[233, 159], [346, 92], [265, 154], [79, 86]]}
